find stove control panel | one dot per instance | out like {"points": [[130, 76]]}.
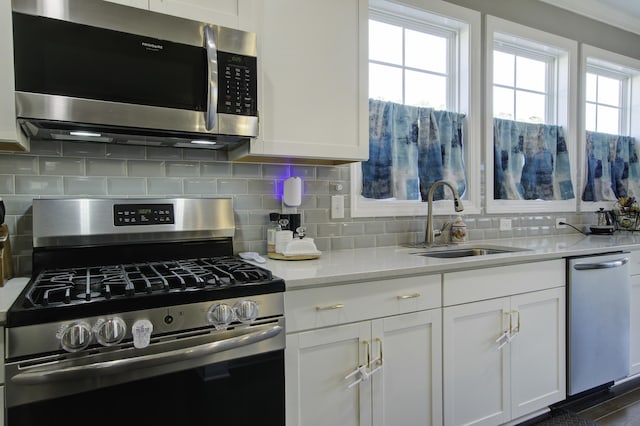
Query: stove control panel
{"points": [[143, 214]]}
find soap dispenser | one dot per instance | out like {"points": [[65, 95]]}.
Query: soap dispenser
{"points": [[458, 231]]}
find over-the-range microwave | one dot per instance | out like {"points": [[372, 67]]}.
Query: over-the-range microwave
{"points": [[95, 70]]}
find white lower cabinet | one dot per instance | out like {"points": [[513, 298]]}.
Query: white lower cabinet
{"points": [[635, 314], [1, 405], [504, 357], [404, 387], [391, 329]]}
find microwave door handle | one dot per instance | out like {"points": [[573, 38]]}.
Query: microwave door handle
{"points": [[211, 47]]}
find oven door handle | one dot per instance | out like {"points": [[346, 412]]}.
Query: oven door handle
{"points": [[54, 373]]}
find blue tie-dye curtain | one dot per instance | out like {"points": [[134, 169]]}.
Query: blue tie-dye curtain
{"points": [[410, 148], [531, 162], [612, 169]]}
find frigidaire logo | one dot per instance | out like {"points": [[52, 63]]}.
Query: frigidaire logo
{"points": [[152, 46]]}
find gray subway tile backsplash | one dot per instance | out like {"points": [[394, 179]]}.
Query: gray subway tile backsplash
{"points": [[62, 169], [39, 185], [61, 166], [201, 186], [85, 186], [100, 167], [125, 186]]}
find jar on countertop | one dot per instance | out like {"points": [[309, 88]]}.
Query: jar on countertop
{"points": [[458, 231]]}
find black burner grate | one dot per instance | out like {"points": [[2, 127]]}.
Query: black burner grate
{"points": [[103, 283]]}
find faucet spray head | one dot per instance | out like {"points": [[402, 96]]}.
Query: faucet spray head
{"points": [[457, 204]]}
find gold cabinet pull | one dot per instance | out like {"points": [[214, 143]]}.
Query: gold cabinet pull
{"points": [[515, 329], [368, 349], [330, 307], [408, 296]]}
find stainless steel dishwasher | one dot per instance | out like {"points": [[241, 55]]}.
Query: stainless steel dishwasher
{"points": [[598, 316]]}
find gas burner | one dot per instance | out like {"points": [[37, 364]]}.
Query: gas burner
{"points": [[101, 283]]}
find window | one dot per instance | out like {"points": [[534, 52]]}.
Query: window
{"points": [[604, 101], [532, 83], [522, 85], [409, 62], [611, 95], [425, 59]]}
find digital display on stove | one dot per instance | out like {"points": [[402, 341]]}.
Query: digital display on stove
{"points": [[143, 214]]}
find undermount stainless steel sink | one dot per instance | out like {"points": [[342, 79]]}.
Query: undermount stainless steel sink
{"points": [[453, 252]]}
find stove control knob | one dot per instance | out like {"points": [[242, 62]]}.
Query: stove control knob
{"points": [[75, 336], [246, 310], [109, 331], [220, 315]]}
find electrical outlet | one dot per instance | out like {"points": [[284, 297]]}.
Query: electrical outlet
{"points": [[558, 220], [505, 224], [337, 206]]}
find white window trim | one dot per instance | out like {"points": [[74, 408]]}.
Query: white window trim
{"points": [[625, 65], [550, 86], [469, 88], [566, 115], [610, 71]]}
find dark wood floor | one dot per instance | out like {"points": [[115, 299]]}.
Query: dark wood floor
{"points": [[622, 409]]}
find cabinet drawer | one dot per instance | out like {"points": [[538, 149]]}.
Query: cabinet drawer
{"points": [[481, 284], [327, 306]]}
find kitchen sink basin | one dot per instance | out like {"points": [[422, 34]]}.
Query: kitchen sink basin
{"points": [[453, 252]]}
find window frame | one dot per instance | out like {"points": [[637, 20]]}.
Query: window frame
{"points": [[564, 111], [466, 92], [602, 70], [590, 55], [550, 86]]}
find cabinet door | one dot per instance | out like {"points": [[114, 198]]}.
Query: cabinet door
{"points": [[476, 372], [314, 79], [316, 363], [219, 12], [538, 376], [635, 322], [407, 390]]}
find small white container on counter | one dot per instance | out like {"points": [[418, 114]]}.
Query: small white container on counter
{"points": [[282, 239]]}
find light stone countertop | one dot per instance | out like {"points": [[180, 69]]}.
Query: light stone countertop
{"points": [[8, 294], [345, 266]]}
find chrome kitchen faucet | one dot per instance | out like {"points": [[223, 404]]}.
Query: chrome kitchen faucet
{"points": [[457, 204]]}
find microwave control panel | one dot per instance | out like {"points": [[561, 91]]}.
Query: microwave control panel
{"points": [[143, 214], [237, 84]]}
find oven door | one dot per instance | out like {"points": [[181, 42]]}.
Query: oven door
{"points": [[194, 380]]}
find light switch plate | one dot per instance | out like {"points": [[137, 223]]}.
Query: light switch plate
{"points": [[337, 206], [505, 224]]}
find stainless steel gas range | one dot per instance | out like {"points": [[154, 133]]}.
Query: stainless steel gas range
{"points": [[138, 307]]}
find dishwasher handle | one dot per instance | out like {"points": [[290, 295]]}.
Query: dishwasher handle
{"points": [[601, 265]]}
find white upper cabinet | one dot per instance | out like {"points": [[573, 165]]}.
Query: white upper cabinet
{"points": [[11, 138], [219, 12], [313, 80], [226, 13], [142, 4]]}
